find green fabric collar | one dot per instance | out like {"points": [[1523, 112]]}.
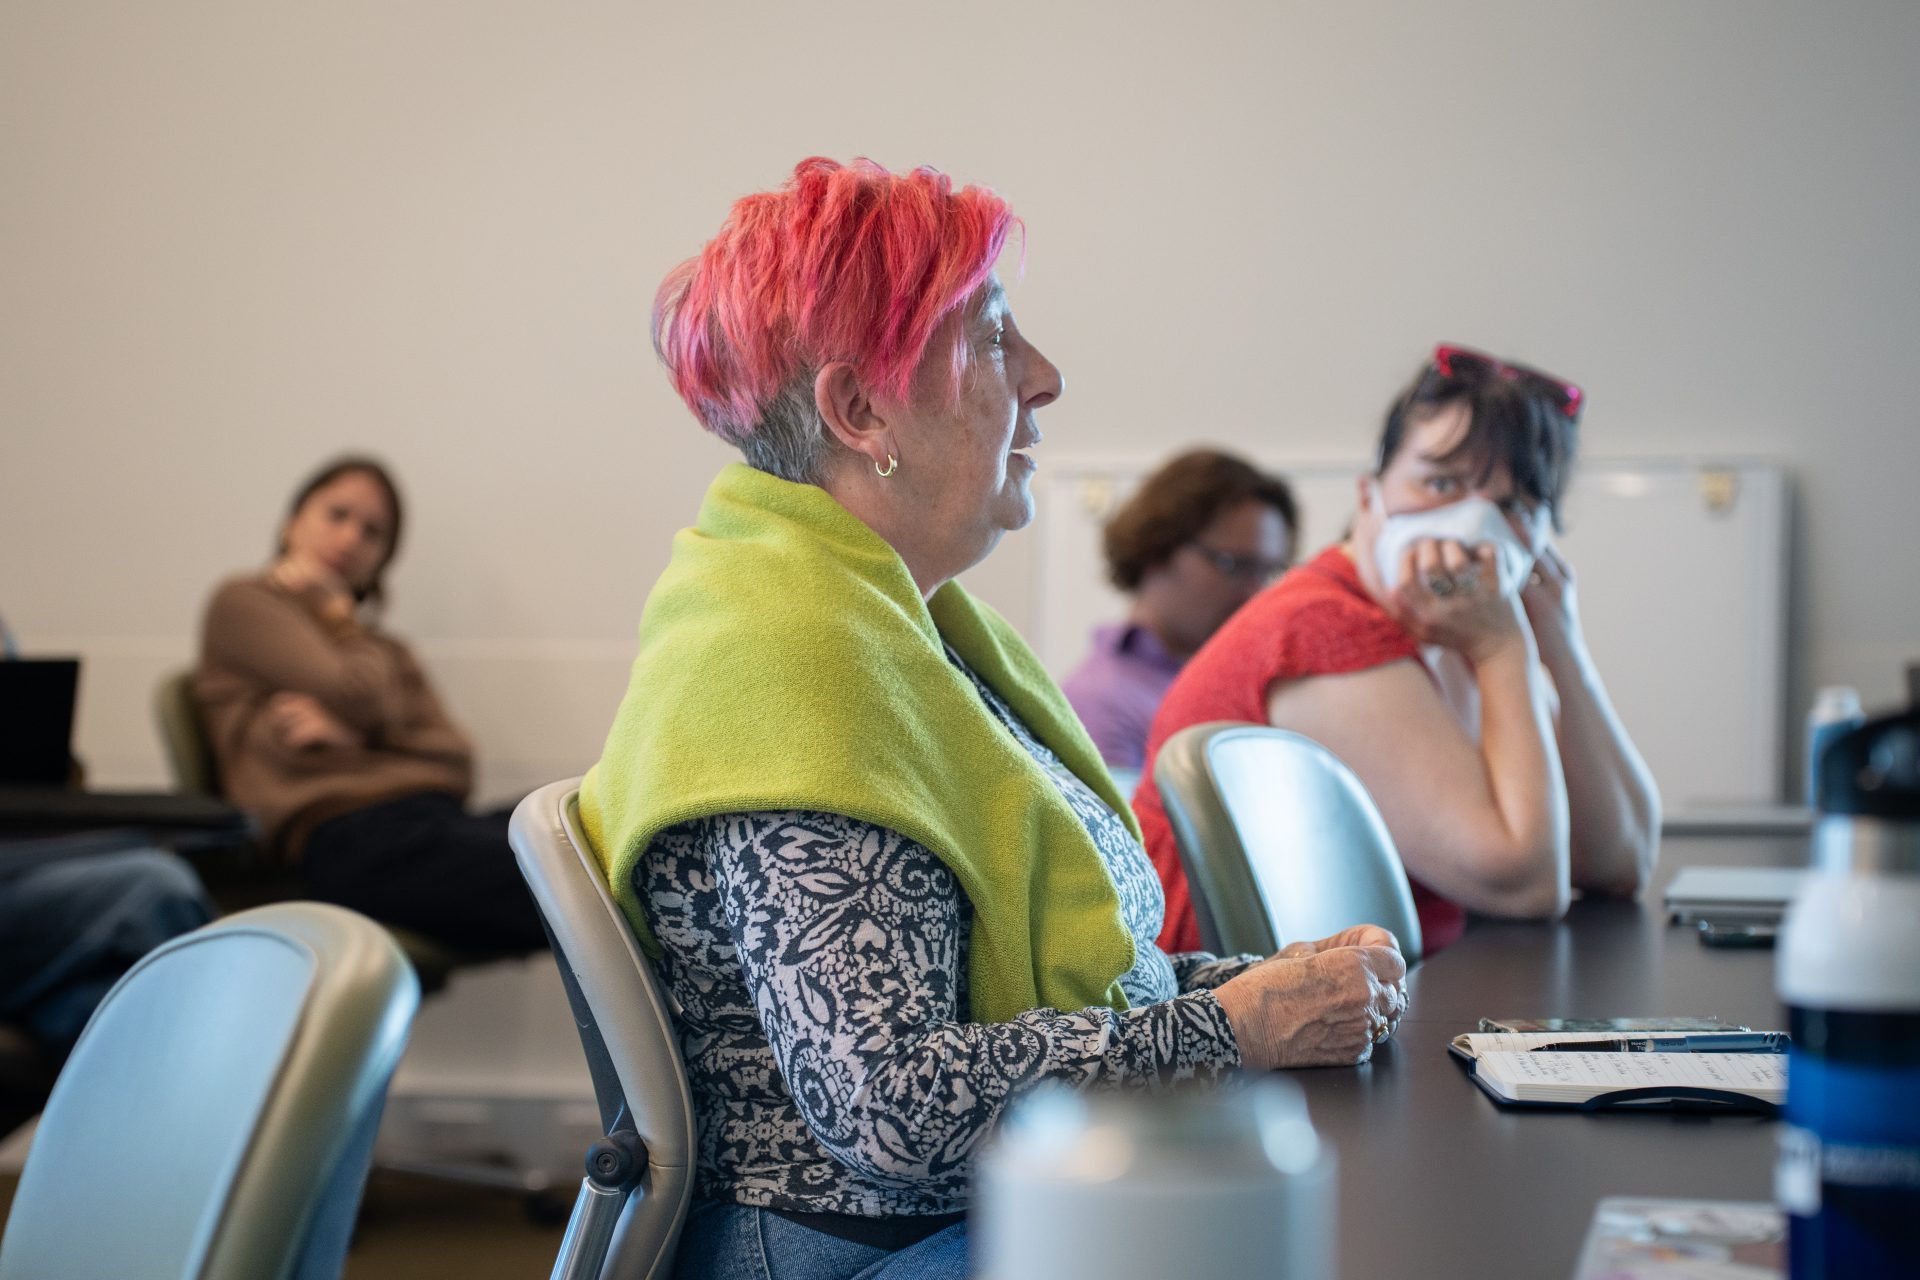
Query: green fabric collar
{"points": [[787, 661]]}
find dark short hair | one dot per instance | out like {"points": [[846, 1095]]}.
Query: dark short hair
{"points": [[1508, 425], [373, 469], [1175, 503]]}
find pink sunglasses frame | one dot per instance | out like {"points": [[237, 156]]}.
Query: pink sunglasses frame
{"points": [[1453, 360]]}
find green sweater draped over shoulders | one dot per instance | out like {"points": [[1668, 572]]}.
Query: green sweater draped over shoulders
{"points": [[788, 661]]}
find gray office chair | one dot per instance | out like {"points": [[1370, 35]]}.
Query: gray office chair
{"points": [[216, 1118], [185, 739], [1279, 840], [632, 1052]]}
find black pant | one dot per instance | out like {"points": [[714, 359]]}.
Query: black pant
{"points": [[422, 862]]}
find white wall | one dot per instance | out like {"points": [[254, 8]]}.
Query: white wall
{"points": [[235, 238]]}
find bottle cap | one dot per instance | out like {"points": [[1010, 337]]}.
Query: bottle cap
{"points": [[1836, 702], [1874, 771]]}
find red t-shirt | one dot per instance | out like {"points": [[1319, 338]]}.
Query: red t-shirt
{"points": [[1316, 621]]}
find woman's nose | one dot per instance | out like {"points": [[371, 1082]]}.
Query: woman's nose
{"points": [[1044, 384]]}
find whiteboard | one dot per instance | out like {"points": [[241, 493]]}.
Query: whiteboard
{"points": [[1682, 575]]}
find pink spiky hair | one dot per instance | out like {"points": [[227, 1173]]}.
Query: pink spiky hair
{"points": [[844, 262]]}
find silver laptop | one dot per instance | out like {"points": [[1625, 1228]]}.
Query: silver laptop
{"points": [[1744, 893]]}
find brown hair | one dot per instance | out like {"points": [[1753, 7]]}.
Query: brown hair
{"points": [[352, 464], [1175, 503], [1507, 425]]}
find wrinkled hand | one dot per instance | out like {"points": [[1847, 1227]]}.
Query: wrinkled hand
{"points": [[1318, 1004], [1359, 935], [302, 723], [1450, 596]]}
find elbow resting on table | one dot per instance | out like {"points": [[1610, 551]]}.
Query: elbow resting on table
{"points": [[1622, 866], [1529, 884], [1631, 875]]}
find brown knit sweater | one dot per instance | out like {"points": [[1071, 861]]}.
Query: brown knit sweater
{"points": [[258, 640]]}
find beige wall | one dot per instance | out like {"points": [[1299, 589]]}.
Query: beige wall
{"points": [[236, 237]]}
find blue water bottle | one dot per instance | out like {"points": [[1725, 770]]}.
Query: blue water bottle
{"points": [[1849, 973]]}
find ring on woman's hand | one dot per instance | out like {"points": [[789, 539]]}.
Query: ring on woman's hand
{"points": [[1440, 585]]}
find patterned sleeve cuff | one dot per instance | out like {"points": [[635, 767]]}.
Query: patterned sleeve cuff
{"points": [[1201, 971], [1186, 1038]]}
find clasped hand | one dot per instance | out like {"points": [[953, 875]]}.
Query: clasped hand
{"points": [[313, 582], [302, 723], [1318, 1004], [1449, 595]]}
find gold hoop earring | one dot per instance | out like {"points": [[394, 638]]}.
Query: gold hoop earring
{"points": [[893, 465]]}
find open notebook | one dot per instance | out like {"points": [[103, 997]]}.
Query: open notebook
{"points": [[1512, 1073]]}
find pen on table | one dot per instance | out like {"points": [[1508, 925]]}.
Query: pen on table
{"points": [[1754, 1042]]}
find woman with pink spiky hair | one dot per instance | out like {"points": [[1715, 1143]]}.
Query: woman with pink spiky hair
{"points": [[876, 857]]}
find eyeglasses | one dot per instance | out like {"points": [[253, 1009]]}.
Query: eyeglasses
{"points": [[1464, 362], [1245, 568]]}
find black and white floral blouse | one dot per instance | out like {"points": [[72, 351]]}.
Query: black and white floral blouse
{"points": [[818, 966]]}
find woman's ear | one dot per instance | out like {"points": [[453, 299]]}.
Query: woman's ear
{"points": [[1368, 515], [1369, 511], [1370, 505], [850, 415]]}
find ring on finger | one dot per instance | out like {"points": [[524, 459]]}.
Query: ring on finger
{"points": [[1440, 585]]}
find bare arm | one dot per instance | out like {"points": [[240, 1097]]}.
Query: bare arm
{"points": [[1611, 797], [1485, 825]]}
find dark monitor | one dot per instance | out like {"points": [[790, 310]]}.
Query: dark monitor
{"points": [[36, 720]]}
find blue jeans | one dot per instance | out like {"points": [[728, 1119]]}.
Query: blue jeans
{"points": [[68, 930], [724, 1241]]}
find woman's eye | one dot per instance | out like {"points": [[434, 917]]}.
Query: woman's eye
{"points": [[999, 338]]}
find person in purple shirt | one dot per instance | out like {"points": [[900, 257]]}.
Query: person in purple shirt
{"points": [[1198, 539]]}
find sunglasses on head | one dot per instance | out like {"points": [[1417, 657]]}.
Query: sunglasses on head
{"points": [[1464, 362]]}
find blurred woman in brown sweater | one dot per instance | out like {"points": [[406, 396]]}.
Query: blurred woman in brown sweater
{"points": [[324, 727]]}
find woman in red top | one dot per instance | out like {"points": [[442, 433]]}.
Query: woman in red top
{"points": [[1438, 652]]}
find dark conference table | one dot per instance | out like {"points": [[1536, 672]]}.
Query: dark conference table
{"points": [[1436, 1181]]}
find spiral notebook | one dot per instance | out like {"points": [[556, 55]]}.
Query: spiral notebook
{"points": [[1514, 1071]]}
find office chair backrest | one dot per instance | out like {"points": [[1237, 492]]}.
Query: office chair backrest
{"points": [[188, 750], [1279, 840], [216, 1119], [625, 1026]]}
